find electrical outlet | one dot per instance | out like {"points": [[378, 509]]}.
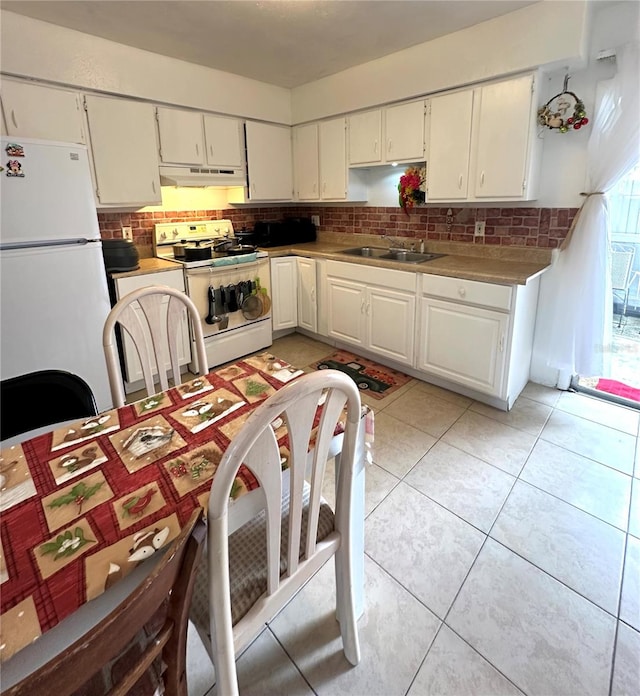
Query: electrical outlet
{"points": [[315, 219], [127, 233], [479, 229]]}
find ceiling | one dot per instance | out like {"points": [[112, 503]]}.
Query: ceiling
{"points": [[282, 42]]}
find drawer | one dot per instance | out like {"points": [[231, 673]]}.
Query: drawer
{"points": [[372, 275], [468, 291]]}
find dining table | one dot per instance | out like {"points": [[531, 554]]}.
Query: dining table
{"points": [[87, 505]]}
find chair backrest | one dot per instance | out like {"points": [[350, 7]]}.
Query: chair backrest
{"points": [[58, 396], [172, 578], [621, 266], [151, 316], [256, 447]]}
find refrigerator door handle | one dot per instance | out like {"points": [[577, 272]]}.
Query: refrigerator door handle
{"points": [[80, 241]]}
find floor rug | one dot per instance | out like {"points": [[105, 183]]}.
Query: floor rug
{"points": [[612, 386], [370, 376]]}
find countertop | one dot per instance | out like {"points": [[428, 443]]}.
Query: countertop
{"points": [[489, 264], [512, 266]]}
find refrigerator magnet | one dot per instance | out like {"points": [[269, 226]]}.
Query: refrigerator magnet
{"points": [[14, 168], [14, 150]]}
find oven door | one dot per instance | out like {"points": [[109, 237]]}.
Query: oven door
{"points": [[236, 335]]}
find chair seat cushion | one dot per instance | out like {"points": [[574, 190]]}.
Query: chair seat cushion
{"points": [[248, 556]]}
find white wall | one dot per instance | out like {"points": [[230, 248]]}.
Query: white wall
{"points": [[34, 49], [539, 34]]}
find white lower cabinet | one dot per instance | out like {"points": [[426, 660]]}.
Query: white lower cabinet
{"points": [[477, 335], [462, 343], [307, 294], [132, 367], [284, 291], [373, 308]]}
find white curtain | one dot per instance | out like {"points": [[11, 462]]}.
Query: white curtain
{"points": [[578, 284]]}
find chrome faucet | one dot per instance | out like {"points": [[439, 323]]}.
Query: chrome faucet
{"points": [[398, 243]]}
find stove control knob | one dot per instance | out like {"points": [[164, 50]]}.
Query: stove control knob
{"points": [[175, 232], [163, 236]]}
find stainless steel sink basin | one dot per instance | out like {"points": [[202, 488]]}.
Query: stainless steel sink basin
{"points": [[410, 256], [402, 255], [370, 252]]}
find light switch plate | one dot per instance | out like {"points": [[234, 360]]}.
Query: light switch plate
{"points": [[315, 219], [479, 229], [127, 233]]}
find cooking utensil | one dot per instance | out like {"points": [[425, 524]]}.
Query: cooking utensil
{"points": [[245, 236], [240, 249], [252, 307], [264, 297], [232, 302], [178, 249], [211, 317], [198, 252]]}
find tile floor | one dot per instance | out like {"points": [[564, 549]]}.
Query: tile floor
{"points": [[502, 556]]}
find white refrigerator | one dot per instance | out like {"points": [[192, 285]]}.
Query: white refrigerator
{"points": [[53, 287]]}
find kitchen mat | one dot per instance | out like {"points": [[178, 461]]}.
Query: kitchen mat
{"points": [[377, 380]]}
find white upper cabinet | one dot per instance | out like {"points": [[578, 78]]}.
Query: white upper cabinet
{"points": [[450, 136], [269, 162], [482, 143], [365, 138], [181, 137], [223, 141], [34, 111], [404, 132], [505, 129], [306, 164], [333, 159], [124, 149]]}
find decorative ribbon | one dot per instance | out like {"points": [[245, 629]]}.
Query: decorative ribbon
{"points": [[567, 239]]}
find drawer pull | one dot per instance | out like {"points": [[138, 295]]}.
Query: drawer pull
{"points": [[462, 292]]}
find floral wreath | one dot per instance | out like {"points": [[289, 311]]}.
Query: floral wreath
{"points": [[411, 188], [556, 113]]}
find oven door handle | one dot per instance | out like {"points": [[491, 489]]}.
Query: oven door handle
{"points": [[199, 270]]}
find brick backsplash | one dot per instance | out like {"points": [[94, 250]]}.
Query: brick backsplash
{"points": [[536, 227]]}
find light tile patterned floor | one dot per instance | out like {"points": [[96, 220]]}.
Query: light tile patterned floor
{"points": [[502, 556]]}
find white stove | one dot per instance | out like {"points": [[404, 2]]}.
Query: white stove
{"points": [[204, 233], [215, 285]]}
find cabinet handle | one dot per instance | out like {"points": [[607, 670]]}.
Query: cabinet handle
{"points": [[368, 308], [389, 146], [460, 181], [314, 186], [313, 295], [482, 179], [13, 118], [324, 187], [375, 146], [153, 185], [211, 150], [462, 292], [362, 307], [501, 344]]}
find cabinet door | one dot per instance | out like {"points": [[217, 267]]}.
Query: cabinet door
{"points": [[305, 162], [223, 138], [502, 140], [404, 132], [180, 136], [125, 153], [307, 295], [284, 292], [391, 323], [365, 137], [32, 111], [333, 159], [172, 279], [449, 146], [464, 344], [347, 304], [269, 162]]}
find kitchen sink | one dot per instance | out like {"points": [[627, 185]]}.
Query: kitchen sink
{"points": [[391, 254]]}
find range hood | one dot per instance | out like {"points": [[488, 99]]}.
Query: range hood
{"points": [[201, 176]]}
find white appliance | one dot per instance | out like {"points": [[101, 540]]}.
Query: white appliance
{"points": [[232, 334], [53, 288]]}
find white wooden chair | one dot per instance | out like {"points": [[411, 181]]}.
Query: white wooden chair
{"points": [[256, 570], [151, 316]]}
